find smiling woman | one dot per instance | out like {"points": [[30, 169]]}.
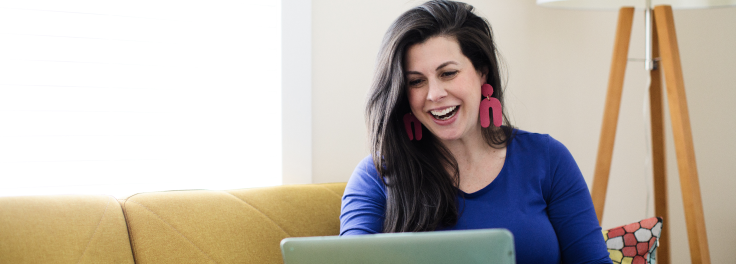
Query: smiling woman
{"points": [[438, 64]]}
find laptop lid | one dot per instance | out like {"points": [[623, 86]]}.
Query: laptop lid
{"points": [[485, 246]]}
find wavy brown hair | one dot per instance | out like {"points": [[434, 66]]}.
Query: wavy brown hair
{"points": [[421, 190]]}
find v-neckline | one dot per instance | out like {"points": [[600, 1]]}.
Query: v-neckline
{"points": [[501, 173]]}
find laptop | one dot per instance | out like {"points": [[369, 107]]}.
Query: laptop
{"points": [[487, 246]]}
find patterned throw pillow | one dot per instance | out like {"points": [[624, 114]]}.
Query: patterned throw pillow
{"points": [[634, 243]]}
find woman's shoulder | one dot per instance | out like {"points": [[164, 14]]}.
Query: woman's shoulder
{"points": [[530, 139], [527, 136], [536, 142], [366, 167], [366, 177]]}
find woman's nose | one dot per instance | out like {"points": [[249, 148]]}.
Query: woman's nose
{"points": [[436, 91]]}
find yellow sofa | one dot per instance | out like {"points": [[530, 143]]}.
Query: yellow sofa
{"points": [[235, 226]]}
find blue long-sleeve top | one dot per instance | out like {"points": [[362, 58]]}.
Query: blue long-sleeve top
{"points": [[540, 195]]}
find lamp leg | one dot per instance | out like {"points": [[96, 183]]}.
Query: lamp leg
{"points": [[611, 109], [659, 166], [682, 134]]}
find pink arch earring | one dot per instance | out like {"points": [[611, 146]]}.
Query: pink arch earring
{"points": [[408, 119], [489, 102]]}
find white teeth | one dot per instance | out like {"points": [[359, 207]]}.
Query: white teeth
{"points": [[438, 114], [443, 112]]}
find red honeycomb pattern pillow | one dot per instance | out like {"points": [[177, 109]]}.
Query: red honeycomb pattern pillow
{"points": [[634, 243]]}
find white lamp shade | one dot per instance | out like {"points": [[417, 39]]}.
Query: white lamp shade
{"points": [[639, 4]]}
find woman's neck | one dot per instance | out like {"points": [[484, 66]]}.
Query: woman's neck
{"points": [[470, 149], [478, 162]]}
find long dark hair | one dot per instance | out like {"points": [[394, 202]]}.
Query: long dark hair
{"points": [[422, 177]]}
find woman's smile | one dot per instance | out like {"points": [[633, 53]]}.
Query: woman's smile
{"points": [[445, 114]]}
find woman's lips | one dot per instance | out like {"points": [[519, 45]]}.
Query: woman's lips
{"points": [[446, 119], [444, 114]]}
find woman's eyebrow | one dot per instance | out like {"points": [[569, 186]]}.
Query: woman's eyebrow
{"points": [[445, 64], [438, 67]]}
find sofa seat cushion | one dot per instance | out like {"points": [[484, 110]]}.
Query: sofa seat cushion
{"points": [[236, 226], [63, 229]]}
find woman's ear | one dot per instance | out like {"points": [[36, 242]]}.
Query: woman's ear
{"points": [[483, 74]]}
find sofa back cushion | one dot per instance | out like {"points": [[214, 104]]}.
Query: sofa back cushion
{"points": [[63, 229], [236, 226]]}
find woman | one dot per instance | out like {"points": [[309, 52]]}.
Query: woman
{"points": [[438, 67]]}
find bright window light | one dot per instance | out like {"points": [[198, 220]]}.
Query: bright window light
{"points": [[121, 97]]}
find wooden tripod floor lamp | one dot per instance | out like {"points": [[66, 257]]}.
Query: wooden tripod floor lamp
{"points": [[662, 55]]}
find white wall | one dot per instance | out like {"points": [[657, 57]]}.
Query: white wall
{"points": [[558, 63], [296, 88]]}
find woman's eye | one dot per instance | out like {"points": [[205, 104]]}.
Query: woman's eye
{"points": [[414, 83], [449, 74]]}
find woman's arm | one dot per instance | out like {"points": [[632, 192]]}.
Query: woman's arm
{"points": [[571, 210], [364, 201]]}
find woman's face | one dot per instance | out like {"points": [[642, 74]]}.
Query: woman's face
{"points": [[443, 88]]}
